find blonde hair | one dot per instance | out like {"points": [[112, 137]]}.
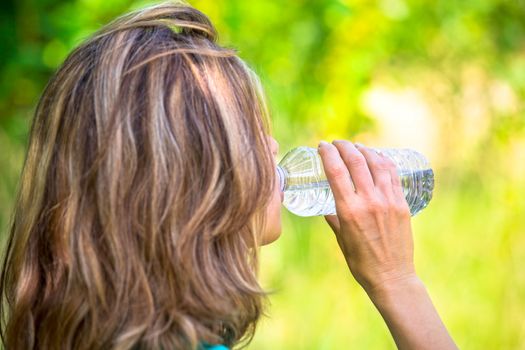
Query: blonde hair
{"points": [[142, 196]]}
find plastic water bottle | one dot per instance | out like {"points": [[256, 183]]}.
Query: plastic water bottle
{"points": [[307, 192]]}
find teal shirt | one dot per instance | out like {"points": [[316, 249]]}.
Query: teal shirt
{"points": [[213, 347]]}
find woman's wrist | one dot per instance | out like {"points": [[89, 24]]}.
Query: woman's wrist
{"points": [[392, 289], [412, 319]]}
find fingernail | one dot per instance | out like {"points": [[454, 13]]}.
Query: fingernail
{"points": [[357, 144], [322, 143]]}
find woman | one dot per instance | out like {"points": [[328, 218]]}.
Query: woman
{"points": [[148, 186]]}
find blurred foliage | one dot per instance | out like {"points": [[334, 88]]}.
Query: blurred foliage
{"points": [[443, 77]]}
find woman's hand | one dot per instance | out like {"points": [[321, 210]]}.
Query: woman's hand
{"points": [[372, 224], [373, 230]]}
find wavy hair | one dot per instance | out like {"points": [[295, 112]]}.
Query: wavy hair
{"points": [[141, 200]]}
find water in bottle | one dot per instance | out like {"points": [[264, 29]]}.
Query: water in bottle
{"points": [[307, 192]]}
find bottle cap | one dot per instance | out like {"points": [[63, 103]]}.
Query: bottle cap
{"points": [[281, 175]]}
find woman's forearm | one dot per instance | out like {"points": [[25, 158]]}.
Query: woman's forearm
{"points": [[410, 315]]}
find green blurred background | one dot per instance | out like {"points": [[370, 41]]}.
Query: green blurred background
{"points": [[443, 77]]}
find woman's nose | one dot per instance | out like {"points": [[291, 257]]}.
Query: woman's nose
{"points": [[274, 146]]}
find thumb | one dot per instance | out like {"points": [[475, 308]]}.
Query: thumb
{"points": [[333, 222]]}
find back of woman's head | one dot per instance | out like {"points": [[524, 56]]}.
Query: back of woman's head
{"points": [[142, 193]]}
